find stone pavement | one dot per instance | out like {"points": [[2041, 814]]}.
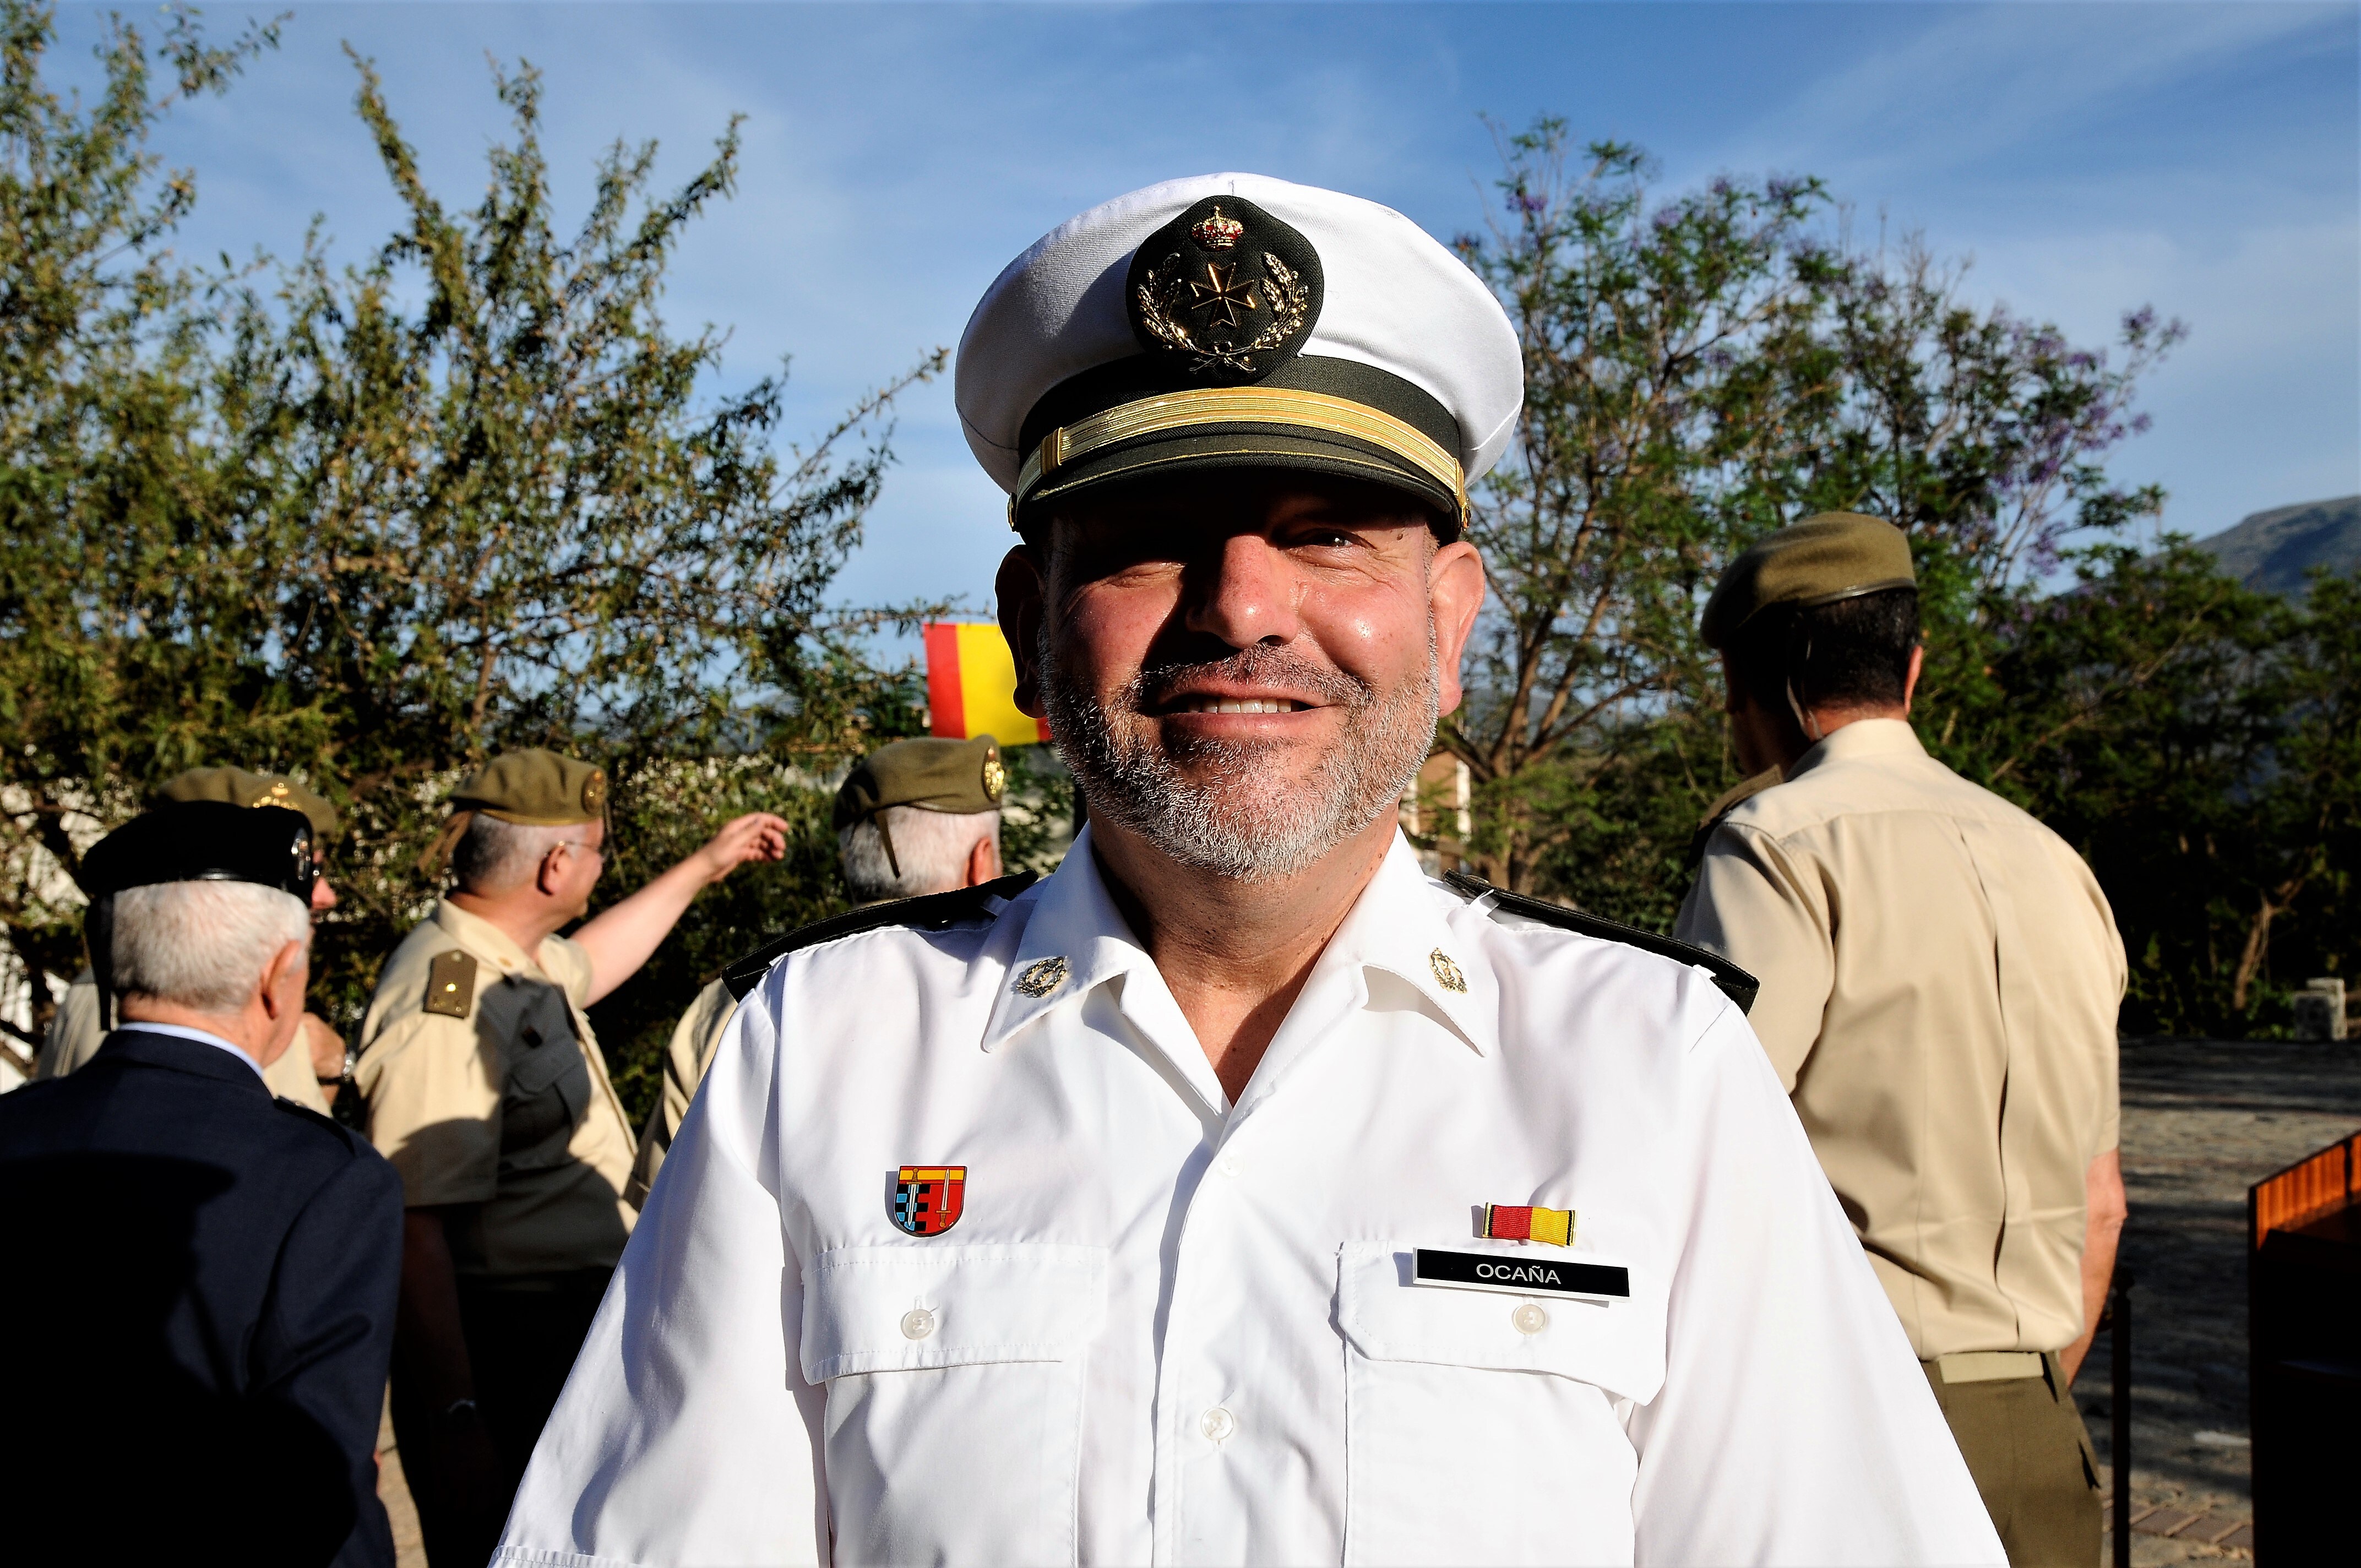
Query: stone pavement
{"points": [[2202, 1122]]}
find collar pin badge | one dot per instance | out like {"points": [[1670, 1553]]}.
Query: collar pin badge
{"points": [[1041, 977], [1511, 1222], [1446, 973], [928, 1199]]}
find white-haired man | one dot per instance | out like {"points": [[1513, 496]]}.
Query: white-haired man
{"points": [[1215, 1198], [214, 1270], [912, 817]]}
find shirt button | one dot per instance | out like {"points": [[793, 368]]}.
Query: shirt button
{"points": [[1216, 1424], [1528, 1319], [917, 1324]]}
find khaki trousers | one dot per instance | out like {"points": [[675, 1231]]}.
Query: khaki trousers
{"points": [[2030, 1454]]}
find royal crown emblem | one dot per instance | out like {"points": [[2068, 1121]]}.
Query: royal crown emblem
{"points": [[1218, 232]]}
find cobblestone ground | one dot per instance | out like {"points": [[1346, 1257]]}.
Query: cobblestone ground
{"points": [[2202, 1122]]}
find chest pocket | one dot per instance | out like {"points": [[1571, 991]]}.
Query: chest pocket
{"points": [[954, 1376], [548, 1088], [1452, 1396]]}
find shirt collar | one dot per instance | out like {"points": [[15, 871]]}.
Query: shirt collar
{"points": [[1397, 927], [1861, 737], [1401, 927], [486, 940], [1075, 925], [183, 1032]]}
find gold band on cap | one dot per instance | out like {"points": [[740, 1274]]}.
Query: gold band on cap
{"points": [[1241, 405]]}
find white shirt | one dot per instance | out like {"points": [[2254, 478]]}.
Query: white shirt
{"points": [[1168, 1329]]}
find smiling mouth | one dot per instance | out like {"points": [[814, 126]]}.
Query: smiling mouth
{"points": [[1236, 705]]}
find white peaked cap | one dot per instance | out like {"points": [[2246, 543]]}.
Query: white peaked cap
{"points": [[1394, 301]]}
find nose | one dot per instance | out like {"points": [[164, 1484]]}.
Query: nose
{"points": [[1245, 594], [324, 897]]}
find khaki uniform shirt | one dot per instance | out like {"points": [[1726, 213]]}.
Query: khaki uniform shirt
{"points": [[506, 1107], [694, 1040], [74, 1037], [1940, 975]]}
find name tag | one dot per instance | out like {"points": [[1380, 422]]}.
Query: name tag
{"points": [[1520, 1276]]}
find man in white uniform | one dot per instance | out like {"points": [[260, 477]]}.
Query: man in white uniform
{"points": [[1240, 1195]]}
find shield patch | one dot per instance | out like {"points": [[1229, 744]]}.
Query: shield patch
{"points": [[927, 1198]]}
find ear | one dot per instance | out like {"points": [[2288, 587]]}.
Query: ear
{"points": [[1024, 599], [545, 876], [1454, 590], [983, 862], [1910, 679], [284, 978]]}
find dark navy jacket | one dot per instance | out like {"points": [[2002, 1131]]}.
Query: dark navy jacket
{"points": [[215, 1274]]}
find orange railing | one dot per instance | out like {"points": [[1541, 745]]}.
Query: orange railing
{"points": [[2305, 1191]]}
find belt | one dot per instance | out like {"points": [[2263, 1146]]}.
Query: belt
{"points": [[1987, 1366]]}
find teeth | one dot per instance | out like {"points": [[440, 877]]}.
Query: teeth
{"points": [[1235, 704]]}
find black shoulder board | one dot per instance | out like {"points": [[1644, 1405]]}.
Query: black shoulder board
{"points": [[1734, 983], [930, 912]]}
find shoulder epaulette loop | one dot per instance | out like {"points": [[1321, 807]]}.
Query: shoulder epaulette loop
{"points": [[1737, 794], [1732, 981], [451, 984], [930, 911]]}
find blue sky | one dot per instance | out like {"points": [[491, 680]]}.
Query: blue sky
{"points": [[2205, 159]]}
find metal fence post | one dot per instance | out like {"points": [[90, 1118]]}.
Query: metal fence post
{"points": [[2119, 1315]]}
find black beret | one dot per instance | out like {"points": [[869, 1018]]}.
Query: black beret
{"points": [[204, 841]]}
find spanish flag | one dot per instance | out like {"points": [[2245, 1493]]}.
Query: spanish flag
{"points": [[1505, 1223], [971, 686]]}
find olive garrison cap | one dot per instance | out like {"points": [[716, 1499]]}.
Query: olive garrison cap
{"points": [[235, 786], [203, 840], [960, 778], [1834, 555], [1236, 321], [534, 789]]}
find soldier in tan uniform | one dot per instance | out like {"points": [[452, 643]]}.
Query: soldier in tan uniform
{"points": [[486, 1091], [309, 1072], [912, 817], [1940, 975]]}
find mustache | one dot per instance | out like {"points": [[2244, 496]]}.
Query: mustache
{"points": [[1156, 684]]}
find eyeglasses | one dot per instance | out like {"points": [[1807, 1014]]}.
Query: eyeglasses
{"points": [[597, 850]]}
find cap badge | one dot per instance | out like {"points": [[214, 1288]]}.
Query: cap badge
{"points": [[277, 795], [1228, 285], [1446, 973], [927, 1198], [1041, 977], [594, 790], [1218, 232], [995, 776], [1515, 1222]]}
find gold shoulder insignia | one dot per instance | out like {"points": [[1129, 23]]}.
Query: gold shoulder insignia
{"points": [[451, 984]]}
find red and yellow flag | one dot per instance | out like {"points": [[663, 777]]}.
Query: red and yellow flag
{"points": [[971, 686]]}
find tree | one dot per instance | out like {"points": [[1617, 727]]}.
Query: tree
{"points": [[1699, 371], [103, 446], [374, 523]]}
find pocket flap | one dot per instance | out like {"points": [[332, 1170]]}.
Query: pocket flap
{"points": [[892, 1309], [1615, 1345]]}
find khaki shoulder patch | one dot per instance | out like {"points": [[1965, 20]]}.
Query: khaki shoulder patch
{"points": [[451, 984]]}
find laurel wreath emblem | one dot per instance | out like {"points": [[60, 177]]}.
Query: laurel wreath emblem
{"points": [[1162, 312]]}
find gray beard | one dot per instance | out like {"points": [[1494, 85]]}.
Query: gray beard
{"points": [[1234, 813]]}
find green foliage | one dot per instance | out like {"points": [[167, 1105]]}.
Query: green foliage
{"points": [[1704, 369], [370, 525]]}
